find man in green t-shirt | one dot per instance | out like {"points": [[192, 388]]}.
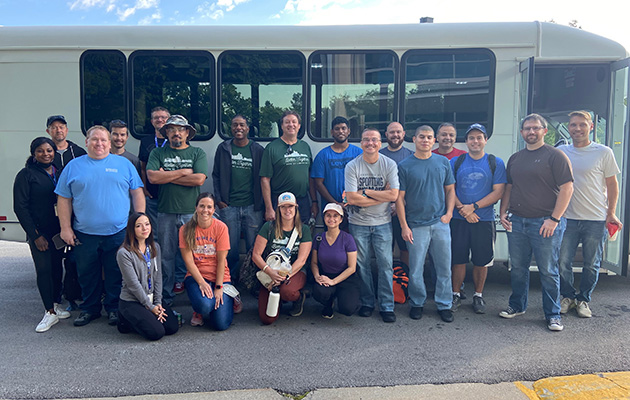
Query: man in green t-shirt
{"points": [[236, 183], [180, 170], [285, 167]]}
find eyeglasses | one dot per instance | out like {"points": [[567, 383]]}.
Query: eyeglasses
{"points": [[289, 150], [159, 117], [173, 129], [371, 140], [533, 129]]}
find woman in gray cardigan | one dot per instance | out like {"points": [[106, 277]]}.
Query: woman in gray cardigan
{"points": [[140, 307]]}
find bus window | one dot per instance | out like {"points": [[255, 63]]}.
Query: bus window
{"points": [[181, 81], [260, 85], [560, 89], [103, 88], [455, 86], [357, 85]]}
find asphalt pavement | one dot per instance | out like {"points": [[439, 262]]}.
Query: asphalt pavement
{"points": [[303, 354]]}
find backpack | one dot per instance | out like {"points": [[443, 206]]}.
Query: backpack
{"points": [[401, 282], [492, 163]]}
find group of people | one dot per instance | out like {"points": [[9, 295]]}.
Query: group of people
{"points": [[140, 231]]}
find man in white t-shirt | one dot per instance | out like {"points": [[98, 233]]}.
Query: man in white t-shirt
{"points": [[592, 207]]}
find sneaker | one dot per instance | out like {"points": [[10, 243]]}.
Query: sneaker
{"points": [[446, 315], [479, 305], [365, 311], [298, 306], [238, 305], [61, 312], [196, 320], [416, 312], [583, 310], [112, 318], [509, 312], [388, 316], [462, 293], [85, 318], [555, 324], [46, 322], [179, 288], [457, 301], [328, 313], [566, 304]]}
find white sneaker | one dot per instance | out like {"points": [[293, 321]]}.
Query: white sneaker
{"points": [[555, 324], [61, 312], [583, 310], [566, 304], [46, 322]]}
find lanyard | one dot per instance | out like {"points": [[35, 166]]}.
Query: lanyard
{"points": [[53, 177], [156, 142], [147, 258]]}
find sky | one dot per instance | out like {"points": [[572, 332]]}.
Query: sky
{"points": [[603, 17]]}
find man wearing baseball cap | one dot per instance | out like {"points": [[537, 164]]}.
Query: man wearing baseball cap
{"points": [[57, 128], [179, 169], [479, 184]]}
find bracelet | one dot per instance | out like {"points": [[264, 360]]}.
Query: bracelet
{"points": [[265, 267], [556, 220]]}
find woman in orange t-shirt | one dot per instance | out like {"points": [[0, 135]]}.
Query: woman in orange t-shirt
{"points": [[204, 243]]}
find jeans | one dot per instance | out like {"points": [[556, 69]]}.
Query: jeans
{"points": [[152, 212], [240, 219], [220, 318], [524, 240], [173, 267], [379, 239], [436, 240], [592, 235], [95, 256]]}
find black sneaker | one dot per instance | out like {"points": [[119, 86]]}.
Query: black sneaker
{"points": [[298, 306], [457, 301], [388, 316], [479, 305], [416, 312], [112, 318], [462, 293], [365, 311], [446, 315], [85, 318], [328, 313]]}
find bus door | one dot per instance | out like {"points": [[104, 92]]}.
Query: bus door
{"points": [[616, 254]]}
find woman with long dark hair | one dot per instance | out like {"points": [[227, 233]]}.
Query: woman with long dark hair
{"points": [[140, 305], [204, 242], [34, 201], [274, 236]]}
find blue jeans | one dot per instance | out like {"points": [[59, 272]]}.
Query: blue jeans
{"points": [[221, 318], [592, 235], [152, 212], [524, 240], [173, 267], [240, 219], [379, 239], [95, 256], [436, 240]]}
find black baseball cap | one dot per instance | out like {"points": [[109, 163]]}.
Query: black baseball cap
{"points": [[54, 118]]}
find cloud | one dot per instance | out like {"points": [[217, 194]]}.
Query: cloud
{"points": [[214, 10], [87, 4], [123, 11], [155, 17], [140, 5]]}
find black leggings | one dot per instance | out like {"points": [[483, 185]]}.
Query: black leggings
{"points": [[49, 271], [346, 292], [134, 316]]}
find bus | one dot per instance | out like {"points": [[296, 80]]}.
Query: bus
{"points": [[463, 73]]}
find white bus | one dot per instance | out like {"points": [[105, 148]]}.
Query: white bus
{"points": [[490, 73]]}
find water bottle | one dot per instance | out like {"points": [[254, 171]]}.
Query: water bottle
{"points": [[273, 302]]}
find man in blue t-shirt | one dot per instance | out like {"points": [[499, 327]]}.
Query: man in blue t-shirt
{"points": [[425, 208], [329, 164], [97, 187], [479, 183]]}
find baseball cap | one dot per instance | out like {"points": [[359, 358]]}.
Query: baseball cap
{"points": [[54, 118], [287, 198], [476, 127], [334, 207]]}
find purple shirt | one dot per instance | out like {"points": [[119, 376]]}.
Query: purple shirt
{"points": [[333, 260]]}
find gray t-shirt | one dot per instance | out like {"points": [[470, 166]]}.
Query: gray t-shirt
{"points": [[591, 166], [360, 175]]}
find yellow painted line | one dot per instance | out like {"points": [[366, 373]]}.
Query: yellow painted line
{"points": [[580, 387], [620, 378], [527, 391]]}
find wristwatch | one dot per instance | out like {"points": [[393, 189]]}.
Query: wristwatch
{"points": [[218, 286], [556, 220], [476, 206]]}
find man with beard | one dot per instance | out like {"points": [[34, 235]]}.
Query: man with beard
{"points": [[180, 170], [57, 128], [330, 162], [446, 137], [395, 150], [538, 191]]}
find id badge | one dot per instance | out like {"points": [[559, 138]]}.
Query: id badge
{"points": [[56, 213], [151, 298]]}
